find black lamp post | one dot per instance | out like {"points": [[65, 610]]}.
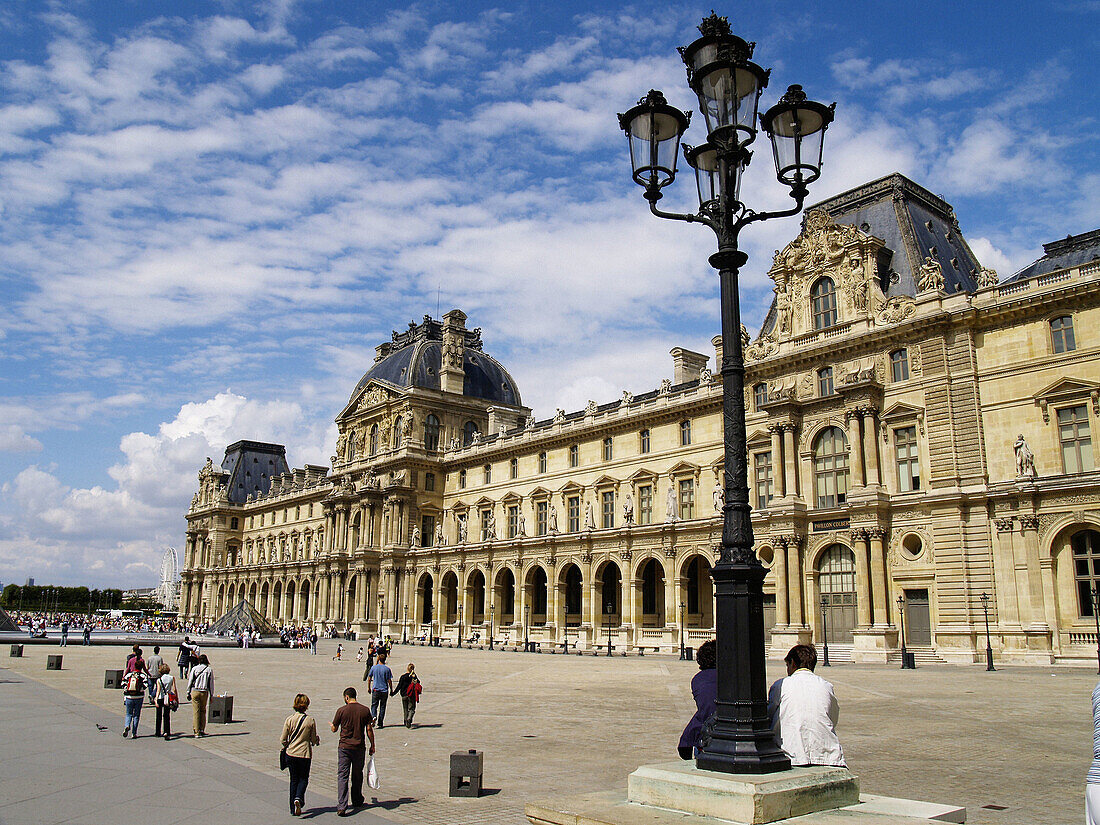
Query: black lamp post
{"points": [[381, 611], [404, 626], [609, 607], [492, 611], [526, 619], [988, 646], [905, 664], [824, 631], [460, 624], [1095, 593], [683, 650], [728, 85]]}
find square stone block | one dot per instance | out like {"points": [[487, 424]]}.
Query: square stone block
{"points": [[112, 679], [748, 798], [53, 661], [220, 710], [466, 772], [16, 652]]}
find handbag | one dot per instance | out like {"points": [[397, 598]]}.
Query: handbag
{"points": [[282, 754], [173, 700], [372, 775]]}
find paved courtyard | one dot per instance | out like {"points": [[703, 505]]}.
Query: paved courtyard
{"points": [[1019, 739]]}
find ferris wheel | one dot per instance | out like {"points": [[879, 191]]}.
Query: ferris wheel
{"points": [[169, 573]]}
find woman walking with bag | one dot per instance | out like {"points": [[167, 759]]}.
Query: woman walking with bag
{"points": [[299, 737], [410, 688], [167, 700]]}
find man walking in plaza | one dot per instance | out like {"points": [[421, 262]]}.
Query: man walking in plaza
{"points": [[64, 633], [803, 710], [352, 720], [152, 665], [380, 685], [200, 685], [87, 632]]}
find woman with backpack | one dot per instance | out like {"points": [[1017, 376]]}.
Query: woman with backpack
{"points": [[410, 689], [133, 697], [167, 700], [299, 737]]}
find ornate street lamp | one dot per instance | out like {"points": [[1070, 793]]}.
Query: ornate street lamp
{"points": [[683, 650], [988, 646], [824, 631], [1095, 593], [901, 619], [526, 619], [728, 85], [492, 610], [404, 626], [609, 608], [460, 625], [381, 611]]}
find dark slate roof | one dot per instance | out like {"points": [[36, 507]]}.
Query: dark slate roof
{"points": [[414, 359], [251, 465], [915, 224], [1074, 250]]}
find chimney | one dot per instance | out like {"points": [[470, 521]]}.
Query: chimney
{"points": [[452, 373], [686, 365], [716, 342]]}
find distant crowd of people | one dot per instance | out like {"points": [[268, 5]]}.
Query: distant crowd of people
{"points": [[37, 622]]}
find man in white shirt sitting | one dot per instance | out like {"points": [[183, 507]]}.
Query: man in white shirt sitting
{"points": [[804, 711]]}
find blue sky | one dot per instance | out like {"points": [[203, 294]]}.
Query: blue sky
{"points": [[211, 212]]}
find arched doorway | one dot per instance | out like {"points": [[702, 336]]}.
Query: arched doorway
{"points": [[573, 587], [609, 590], [504, 597], [424, 598], [475, 592], [277, 602], [262, 606], [252, 594], [288, 612], [651, 578], [536, 595], [303, 602], [450, 598], [221, 601], [836, 581]]}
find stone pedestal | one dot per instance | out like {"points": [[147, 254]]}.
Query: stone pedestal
{"points": [[755, 798], [220, 710], [53, 661]]}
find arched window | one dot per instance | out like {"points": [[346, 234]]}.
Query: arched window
{"points": [[831, 467], [468, 431], [397, 424], [899, 365], [374, 439], [760, 396], [1086, 568], [1061, 334], [431, 433], [823, 303]]}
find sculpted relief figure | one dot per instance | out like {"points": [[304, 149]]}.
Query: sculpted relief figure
{"points": [[705, 375], [628, 511], [782, 308], [670, 502], [407, 428], [930, 276], [719, 496], [666, 386], [553, 519], [1025, 459], [987, 277], [590, 408]]}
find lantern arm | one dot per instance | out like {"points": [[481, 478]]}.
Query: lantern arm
{"points": [[677, 216], [750, 216]]}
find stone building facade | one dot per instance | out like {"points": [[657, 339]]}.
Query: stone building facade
{"points": [[920, 434]]}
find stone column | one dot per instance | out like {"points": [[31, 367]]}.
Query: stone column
{"points": [[871, 434], [1036, 614], [1005, 563], [778, 466], [860, 548], [790, 459], [779, 574], [590, 602], [877, 546], [855, 439], [794, 577]]}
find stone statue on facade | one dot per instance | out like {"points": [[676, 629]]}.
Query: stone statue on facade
{"points": [[782, 309], [719, 496], [590, 408], [490, 526], [461, 529], [670, 502], [416, 537], [628, 398], [745, 339], [1025, 459], [440, 539], [521, 525], [628, 511], [987, 277], [666, 386], [559, 416], [589, 519], [930, 276], [552, 517]]}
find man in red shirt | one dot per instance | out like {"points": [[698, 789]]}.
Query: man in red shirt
{"points": [[352, 720]]}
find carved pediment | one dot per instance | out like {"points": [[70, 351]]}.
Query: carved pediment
{"points": [[643, 474], [1066, 390]]}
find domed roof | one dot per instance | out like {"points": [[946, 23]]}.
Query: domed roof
{"points": [[414, 359]]}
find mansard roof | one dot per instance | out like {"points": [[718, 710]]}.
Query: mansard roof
{"points": [[251, 466], [1073, 250], [413, 358], [915, 224]]}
